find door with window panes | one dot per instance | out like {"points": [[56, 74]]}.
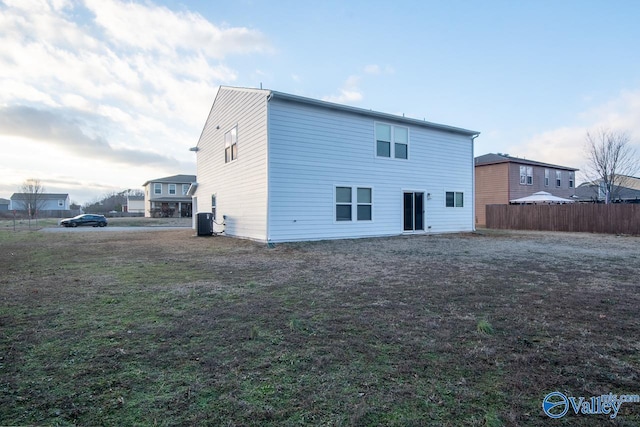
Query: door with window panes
{"points": [[413, 211]]}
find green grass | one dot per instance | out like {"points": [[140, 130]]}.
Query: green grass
{"points": [[170, 329]]}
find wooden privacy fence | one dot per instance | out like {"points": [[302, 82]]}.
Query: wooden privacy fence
{"points": [[593, 218]]}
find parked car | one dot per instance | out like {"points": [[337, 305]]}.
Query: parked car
{"points": [[85, 219]]}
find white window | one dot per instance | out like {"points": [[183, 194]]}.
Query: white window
{"points": [[345, 207], [172, 189], [231, 145], [157, 188], [454, 199], [392, 141], [558, 178], [526, 175], [572, 178], [546, 177], [343, 203], [185, 189], [364, 204], [214, 206]]}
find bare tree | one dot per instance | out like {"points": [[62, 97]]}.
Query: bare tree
{"points": [[610, 161], [32, 197]]}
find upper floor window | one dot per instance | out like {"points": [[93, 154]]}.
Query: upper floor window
{"points": [[526, 175], [558, 178], [546, 177], [392, 141], [172, 189], [231, 145], [157, 188], [185, 189], [571, 179]]}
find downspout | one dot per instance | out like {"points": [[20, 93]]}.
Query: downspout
{"points": [[473, 182], [268, 172]]}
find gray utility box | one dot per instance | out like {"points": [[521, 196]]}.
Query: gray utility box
{"points": [[205, 224]]}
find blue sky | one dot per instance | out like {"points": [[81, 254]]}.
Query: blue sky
{"points": [[102, 95]]}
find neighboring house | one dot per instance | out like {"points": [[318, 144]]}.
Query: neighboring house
{"points": [[628, 191], [45, 204], [500, 178], [4, 205], [167, 197], [135, 205], [277, 167]]}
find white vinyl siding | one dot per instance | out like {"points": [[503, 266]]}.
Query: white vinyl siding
{"points": [[240, 186], [313, 150]]}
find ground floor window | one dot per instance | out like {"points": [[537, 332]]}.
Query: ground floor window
{"points": [[345, 206], [454, 199]]}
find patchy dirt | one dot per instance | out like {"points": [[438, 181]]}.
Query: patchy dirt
{"points": [[470, 329]]}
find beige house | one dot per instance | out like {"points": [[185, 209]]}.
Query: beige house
{"points": [[500, 178], [168, 196]]}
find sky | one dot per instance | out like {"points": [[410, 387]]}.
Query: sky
{"points": [[100, 96]]}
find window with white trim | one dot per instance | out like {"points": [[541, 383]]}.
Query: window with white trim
{"points": [[392, 141], [185, 189], [157, 188], [345, 206], [526, 175], [558, 178], [214, 206], [364, 204], [546, 177], [172, 189], [454, 199], [231, 145], [572, 178]]}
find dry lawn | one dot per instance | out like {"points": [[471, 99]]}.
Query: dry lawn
{"points": [[165, 328]]}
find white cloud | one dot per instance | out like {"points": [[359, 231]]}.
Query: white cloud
{"points": [[118, 78], [375, 69], [372, 69], [158, 29], [565, 145], [349, 92]]}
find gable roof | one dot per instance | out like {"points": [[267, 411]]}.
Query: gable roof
{"points": [[354, 110], [41, 196], [492, 158], [174, 179]]}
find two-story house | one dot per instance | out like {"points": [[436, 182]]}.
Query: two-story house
{"points": [[278, 167], [500, 178], [167, 197]]}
